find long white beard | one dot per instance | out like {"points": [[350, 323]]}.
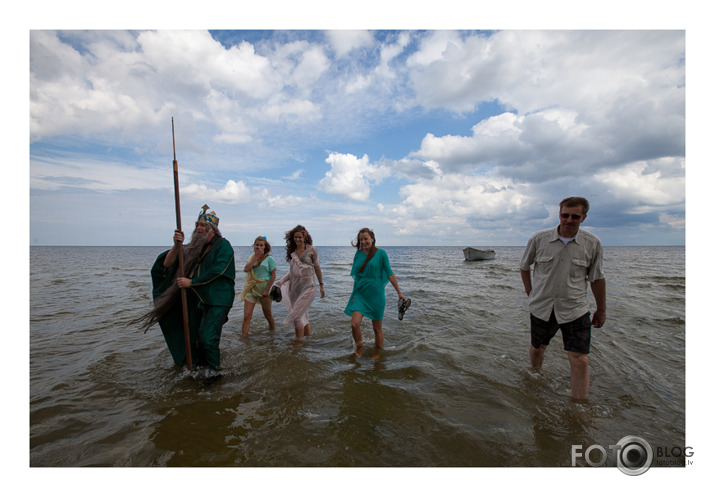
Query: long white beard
{"points": [[193, 250], [165, 301]]}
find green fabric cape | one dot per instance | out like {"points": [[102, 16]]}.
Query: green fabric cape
{"points": [[212, 283]]}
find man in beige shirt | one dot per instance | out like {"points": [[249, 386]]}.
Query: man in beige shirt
{"points": [[565, 260]]}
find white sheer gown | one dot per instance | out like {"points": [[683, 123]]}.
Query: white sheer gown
{"points": [[298, 287]]}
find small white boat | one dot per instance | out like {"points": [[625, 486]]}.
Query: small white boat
{"points": [[475, 254]]}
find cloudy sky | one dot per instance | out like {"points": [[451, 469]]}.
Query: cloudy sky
{"points": [[429, 137]]}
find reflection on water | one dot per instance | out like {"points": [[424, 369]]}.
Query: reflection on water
{"points": [[452, 388]]}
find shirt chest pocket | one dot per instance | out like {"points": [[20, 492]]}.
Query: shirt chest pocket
{"points": [[544, 263], [579, 268]]}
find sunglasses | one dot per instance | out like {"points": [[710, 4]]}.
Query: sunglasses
{"points": [[575, 217]]}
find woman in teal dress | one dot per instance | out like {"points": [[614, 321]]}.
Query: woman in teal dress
{"points": [[370, 271]]}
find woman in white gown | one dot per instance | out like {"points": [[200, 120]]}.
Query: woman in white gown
{"points": [[298, 286]]}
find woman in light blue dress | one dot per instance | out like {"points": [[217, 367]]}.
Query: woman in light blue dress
{"points": [[370, 271], [260, 274]]}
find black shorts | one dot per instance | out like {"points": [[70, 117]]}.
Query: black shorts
{"points": [[576, 334]]}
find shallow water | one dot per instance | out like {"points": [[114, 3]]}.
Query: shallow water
{"points": [[452, 388]]}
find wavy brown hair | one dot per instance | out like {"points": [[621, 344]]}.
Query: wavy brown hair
{"points": [[290, 243], [266, 251], [373, 249]]}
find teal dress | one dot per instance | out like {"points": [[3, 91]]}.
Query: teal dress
{"points": [[265, 268], [368, 296]]}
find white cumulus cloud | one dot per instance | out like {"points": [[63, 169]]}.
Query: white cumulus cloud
{"points": [[352, 177]]}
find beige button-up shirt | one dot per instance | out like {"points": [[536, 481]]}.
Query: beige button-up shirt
{"points": [[561, 273]]}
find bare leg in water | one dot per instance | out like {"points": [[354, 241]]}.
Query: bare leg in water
{"points": [[355, 323], [300, 333], [379, 338]]}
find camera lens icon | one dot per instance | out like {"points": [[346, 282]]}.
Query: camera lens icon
{"points": [[634, 456]]}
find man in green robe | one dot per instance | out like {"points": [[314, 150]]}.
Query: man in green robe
{"points": [[209, 285]]}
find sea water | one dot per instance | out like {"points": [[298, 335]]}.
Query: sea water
{"points": [[453, 387]]}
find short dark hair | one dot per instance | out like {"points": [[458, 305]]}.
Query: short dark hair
{"points": [[575, 202]]}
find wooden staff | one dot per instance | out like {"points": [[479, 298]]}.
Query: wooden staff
{"points": [[184, 305]]}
